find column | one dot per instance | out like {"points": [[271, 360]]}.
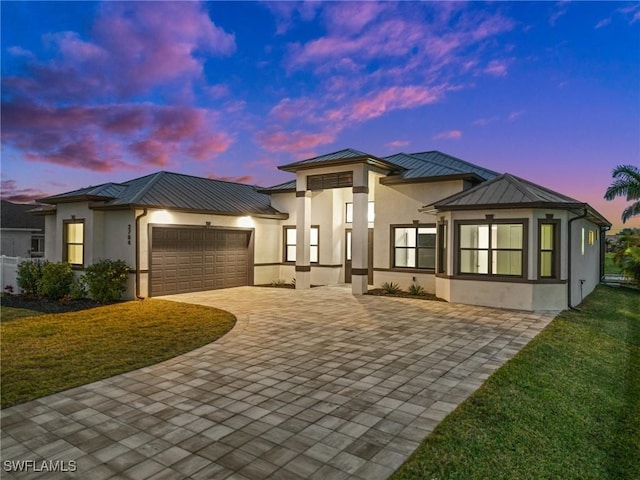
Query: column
{"points": [[360, 237], [303, 232]]}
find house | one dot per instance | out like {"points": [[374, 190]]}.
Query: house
{"points": [[463, 232], [21, 234]]}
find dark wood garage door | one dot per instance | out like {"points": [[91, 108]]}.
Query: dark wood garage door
{"points": [[196, 259]]}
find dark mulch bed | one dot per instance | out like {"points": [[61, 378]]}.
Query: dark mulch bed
{"points": [[380, 292], [46, 306], [286, 285]]}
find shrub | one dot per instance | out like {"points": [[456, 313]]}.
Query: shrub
{"points": [[56, 280], [107, 280], [416, 289], [278, 283], [391, 287], [29, 275], [78, 289]]}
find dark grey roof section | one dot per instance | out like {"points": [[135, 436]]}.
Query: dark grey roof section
{"points": [[16, 215], [176, 191], [509, 191], [289, 186], [453, 162], [341, 157]]}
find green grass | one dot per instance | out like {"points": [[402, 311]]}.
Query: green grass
{"points": [[567, 406], [609, 265], [11, 313], [53, 352]]}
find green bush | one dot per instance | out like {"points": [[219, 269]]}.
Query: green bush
{"points": [[56, 280], [107, 280], [78, 289], [391, 287], [416, 289], [29, 275]]}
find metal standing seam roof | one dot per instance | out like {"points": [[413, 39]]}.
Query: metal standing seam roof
{"points": [[183, 192], [420, 168], [334, 158], [444, 159], [16, 215], [509, 191]]}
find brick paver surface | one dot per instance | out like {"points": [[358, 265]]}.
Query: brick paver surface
{"points": [[311, 384]]}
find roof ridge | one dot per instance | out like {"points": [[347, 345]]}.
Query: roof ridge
{"points": [[156, 176], [433, 162], [517, 184], [542, 187]]}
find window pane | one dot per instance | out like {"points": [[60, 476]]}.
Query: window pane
{"points": [[291, 236], [348, 245], [313, 254], [405, 237], [405, 257], [474, 261], [427, 258], [291, 253], [75, 232], [546, 264], [349, 213], [74, 254], [427, 237], [371, 216], [507, 262], [474, 236], [546, 236], [506, 236], [314, 236]]}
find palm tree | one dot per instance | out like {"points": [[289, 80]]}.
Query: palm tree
{"points": [[626, 183]]}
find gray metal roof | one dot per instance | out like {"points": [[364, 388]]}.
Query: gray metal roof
{"points": [[176, 191], [505, 189], [417, 167], [453, 162], [15, 215], [338, 158], [289, 186]]}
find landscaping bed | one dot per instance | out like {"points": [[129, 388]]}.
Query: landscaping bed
{"points": [[403, 294], [44, 305]]}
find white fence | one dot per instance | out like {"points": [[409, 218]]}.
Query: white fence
{"points": [[9, 272]]}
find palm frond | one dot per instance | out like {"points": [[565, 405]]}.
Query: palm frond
{"points": [[631, 211]]}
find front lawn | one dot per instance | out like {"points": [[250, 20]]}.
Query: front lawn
{"points": [[12, 313], [49, 353], [567, 406]]}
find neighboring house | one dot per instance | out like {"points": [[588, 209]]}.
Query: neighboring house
{"points": [[463, 232], [21, 234]]}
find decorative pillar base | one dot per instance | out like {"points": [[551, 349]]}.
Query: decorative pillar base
{"points": [[303, 277], [359, 284]]}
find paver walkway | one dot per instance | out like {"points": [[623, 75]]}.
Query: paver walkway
{"points": [[314, 384]]}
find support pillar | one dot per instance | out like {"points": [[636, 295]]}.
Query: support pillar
{"points": [[360, 235], [303, 233]]}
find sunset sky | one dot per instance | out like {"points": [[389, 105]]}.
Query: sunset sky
{"points": [[105, 92]]}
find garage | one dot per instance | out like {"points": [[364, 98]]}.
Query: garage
{"points": [[190, 259]]}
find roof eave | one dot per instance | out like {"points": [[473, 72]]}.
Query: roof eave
{"points": [[395, 180], [373, 161], [268, 191], [131, 206], [74, 199]]}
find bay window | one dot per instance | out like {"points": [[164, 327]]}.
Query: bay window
{"points": [[491, 248]]}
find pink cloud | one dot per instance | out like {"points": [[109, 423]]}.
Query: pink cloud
{"points": [[448, 135], [483, 122], [352, 17], [10, 191], [513, 116], [103, 138], [497, 68], [282, 141], [248, 179], [393, 98], [135, 47], [398, 143]]}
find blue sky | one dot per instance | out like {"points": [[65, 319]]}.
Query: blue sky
{"points": [[96, 92]]}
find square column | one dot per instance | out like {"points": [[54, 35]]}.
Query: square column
{"points": [[360, 229], [303, 233]]}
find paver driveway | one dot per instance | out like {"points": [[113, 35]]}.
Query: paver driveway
{"points": [[309, 384]]}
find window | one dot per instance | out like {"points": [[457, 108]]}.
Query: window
{"points": [[592, 237], [74, 242], [582, 243], [330, 180], [491, 249], [442, 248], [414, 247], [348, 215], [548, 250], [290, 244]]}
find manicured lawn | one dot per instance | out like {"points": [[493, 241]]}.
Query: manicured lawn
{"points": [[609, 265], [11, 313], [567, 406], [53, 352]]}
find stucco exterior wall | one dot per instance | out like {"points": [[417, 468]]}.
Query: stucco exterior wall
{"points": [[585, 260]]}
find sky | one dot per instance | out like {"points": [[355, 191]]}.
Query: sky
{"points": [[96, 92]]}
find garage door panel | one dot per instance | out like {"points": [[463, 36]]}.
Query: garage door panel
{"points": [[192, 259]]}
